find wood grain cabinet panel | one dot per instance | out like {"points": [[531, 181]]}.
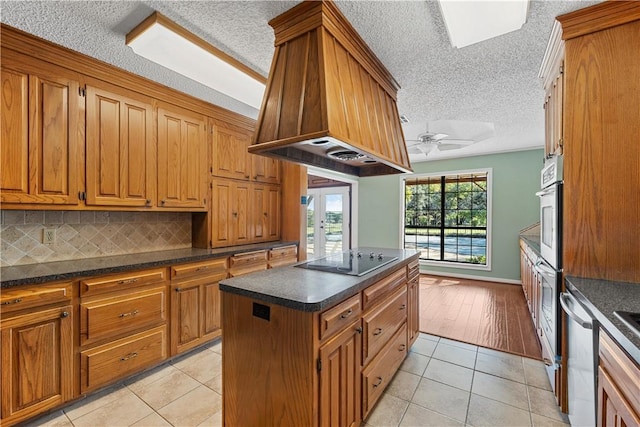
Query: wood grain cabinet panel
{"points": [[283, 255], [109, 317], [229, 155], [37, 362], [41, 128], [340, 397], [121, 149], [382, 322], [265, 169], [231, 215], [247, 262], [104, 364], [265, 213], [182, 158]]}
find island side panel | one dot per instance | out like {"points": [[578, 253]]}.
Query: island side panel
{"points": [[269, 370]]}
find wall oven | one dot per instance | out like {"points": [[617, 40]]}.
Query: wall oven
{"points": [[551, 212]]}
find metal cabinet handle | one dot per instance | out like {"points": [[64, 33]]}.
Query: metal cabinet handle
{"points": [[64, 314], [403, 306], [163, 201], [131, 313], [178, 289], [377, 383], [204, 267], [347, 314], [129, 356], [402, 347], [564, 297], [127, 282], [235, 214], [359, 329], [378, 331], [15, 301]]}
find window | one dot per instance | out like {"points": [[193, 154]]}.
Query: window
{"points": [[446, 217]]}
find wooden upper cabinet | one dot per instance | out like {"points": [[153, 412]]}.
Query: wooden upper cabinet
{"points": [[182, 158], [41, 128], [265, 169], [121, 149], [230, 156], [231, 222]]}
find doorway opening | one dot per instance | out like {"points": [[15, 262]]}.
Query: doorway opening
{"points": [[328, 216]]}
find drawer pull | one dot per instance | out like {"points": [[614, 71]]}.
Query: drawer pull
{"points": [[129, 356], [202, 268], [132, 313], [402, 347], [377, 383], [346, 314], [359, 329], [64, 314], [403, 306], [127, 282], [378, 331], [15, 301]]}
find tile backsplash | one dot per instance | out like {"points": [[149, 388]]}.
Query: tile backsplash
{"points": [[88, 234]]}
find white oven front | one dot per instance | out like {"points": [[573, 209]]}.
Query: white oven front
{"points": [[550, 224]]}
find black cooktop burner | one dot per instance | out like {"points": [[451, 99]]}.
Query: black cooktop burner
{"points": [[351, 263]]}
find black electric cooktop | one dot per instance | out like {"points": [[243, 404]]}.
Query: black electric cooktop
{"points": [[351, 263], [632, 320]]}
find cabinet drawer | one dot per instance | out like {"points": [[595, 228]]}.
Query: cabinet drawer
{"points": [[379, 373], [622, 370], [34, 296], [283, 252], [413, 269], [106, 363], [104, 284], [338, 317], [214, 266], [380, 324], [249, 258], [247, 263], [110, 317], [374, 293]]}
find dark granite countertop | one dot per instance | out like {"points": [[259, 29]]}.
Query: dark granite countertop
{"points": [[62, 270], [311, 290], [602, 298], [532, 241]]}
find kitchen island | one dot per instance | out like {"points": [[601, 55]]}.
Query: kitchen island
{"points": [[307, 347]]}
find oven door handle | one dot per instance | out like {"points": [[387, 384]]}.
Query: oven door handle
{"points": [[564, 297], [546, 192], [541, 268]]}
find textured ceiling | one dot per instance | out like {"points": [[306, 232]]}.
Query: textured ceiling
{"points": [[492, 81]]}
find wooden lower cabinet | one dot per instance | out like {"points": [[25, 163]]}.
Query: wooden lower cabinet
{"points": [[618, 386], [340, 396], [284, 255], [309, 368], [37, 362], [248, 262]]}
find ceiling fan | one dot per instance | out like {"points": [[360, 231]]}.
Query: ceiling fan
{"points": [[446, 135]]}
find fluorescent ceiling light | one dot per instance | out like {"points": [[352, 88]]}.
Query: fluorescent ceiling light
{"points": [[470, 22], [162, 41]]}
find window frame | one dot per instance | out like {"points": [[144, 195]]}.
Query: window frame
{"points": [[451, 264]]}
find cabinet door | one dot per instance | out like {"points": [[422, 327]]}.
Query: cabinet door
{"points": [[221, 212], [211, 307], [241, 215], [40, 137], [340, 399], [613, 409], [272, 213], [182, 158], [260, 205], [230, 156], [120, 150], [553, 106], [37, 362], [185, 316], [265, 169], [413, 314]]}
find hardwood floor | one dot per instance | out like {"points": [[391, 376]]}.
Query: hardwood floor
{"points": [[488, 314]]}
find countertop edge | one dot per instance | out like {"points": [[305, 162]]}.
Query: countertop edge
{"points": [[124, 263], [316, 306]]}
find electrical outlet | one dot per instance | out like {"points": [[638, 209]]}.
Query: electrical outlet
{"points": [[49, 236]]}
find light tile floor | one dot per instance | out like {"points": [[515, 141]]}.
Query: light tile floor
{"points": [[441, 383]]}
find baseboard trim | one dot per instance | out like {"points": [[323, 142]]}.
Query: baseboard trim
{"points": [[471, 277]]}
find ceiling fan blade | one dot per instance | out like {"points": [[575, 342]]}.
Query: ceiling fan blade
{"points": [[456, 142]]}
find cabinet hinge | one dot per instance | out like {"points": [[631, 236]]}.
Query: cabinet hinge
{"points": [[319, 365], [82, 92]]}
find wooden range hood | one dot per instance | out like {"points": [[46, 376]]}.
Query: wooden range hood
{"points": [[329, 101]]}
